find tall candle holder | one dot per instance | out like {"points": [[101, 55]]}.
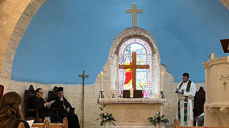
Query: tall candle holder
{"points": [[101, 82], [101, 95], [162, 94]]}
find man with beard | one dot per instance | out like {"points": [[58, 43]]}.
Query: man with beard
{"points": [[64, 109], [186, 91]]}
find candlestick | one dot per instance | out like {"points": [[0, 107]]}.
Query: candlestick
{"points": [[101, 82], [162, 80], [131, 92], [101, 94], [212, 55]]}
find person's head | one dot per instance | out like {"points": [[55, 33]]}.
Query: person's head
{"points": [[39, 92], [10, 109], [185, 77], [60, 91]]}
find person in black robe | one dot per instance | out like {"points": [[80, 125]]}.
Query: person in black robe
{"points": [[43, 107], [64, 109]]}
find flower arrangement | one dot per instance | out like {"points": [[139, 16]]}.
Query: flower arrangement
{"points": [[105, 117], [158, 118]]}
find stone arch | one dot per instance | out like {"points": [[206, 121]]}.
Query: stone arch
{"points": [[113, 58], [25, 13]]}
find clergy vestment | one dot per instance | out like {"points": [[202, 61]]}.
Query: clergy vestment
{"points": [[61, 108], [185, 103]]}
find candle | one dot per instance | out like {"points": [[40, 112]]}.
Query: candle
{"points": [[212, 55], [162, 80], [101, 82], [131, 92]]}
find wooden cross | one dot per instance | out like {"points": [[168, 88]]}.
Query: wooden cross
{"points": [[82, 105], [134, 66], [134, 12]]}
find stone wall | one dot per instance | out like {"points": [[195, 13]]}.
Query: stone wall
{"points": [[15, 16], [74, 94]]}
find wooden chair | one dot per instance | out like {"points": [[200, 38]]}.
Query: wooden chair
{"points": [[47, 124], [52, 95], [1, 92], [30, 112]]}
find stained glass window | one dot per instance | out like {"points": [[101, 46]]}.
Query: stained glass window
{"points": [[143, 57]]}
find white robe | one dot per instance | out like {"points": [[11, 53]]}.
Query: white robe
{"points": [[181, 97]]}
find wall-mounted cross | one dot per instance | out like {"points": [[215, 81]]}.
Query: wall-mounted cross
{"points": [[134, 12], [82, 105]]}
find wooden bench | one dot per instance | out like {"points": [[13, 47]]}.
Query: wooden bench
{"points": [[177, 125], [47, 124], [21, 125]]}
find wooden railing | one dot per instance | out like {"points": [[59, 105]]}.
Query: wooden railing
{"points": [[47, 124], [21, 125]]}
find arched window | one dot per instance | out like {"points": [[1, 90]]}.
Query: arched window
{"points": [[143, 57]]}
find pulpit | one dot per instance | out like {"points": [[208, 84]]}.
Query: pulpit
{"points": [[129, 112], [216, 110]]}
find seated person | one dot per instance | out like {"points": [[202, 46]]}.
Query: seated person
{"points": [[44, 107], [65, 109], [10, 111]]}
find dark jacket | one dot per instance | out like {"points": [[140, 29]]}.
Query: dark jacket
{"points": [[38, 103]]}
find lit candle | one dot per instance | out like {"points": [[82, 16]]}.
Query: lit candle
{"points": [[101, 84], [131, 92], [212, 55], [162, 80]]}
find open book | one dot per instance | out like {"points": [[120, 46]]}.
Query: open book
{"points": [[51, 102], [30, 122]]}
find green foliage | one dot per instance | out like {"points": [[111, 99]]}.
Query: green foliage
{"points": [[158, 118], [105, 117]]}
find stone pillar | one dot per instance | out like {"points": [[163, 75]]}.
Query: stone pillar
{"points": [[217, 93]]}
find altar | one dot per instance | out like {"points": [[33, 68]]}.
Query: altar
{"points": [[132, 112]]}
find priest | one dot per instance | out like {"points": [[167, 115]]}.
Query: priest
{"points": [[186, 91], [64, 109]]}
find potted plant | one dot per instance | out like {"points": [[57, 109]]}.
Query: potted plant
{"points": [[106, 118], [158, 119]]}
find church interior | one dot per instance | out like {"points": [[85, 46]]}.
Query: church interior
{"points": [[114, 63]]}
